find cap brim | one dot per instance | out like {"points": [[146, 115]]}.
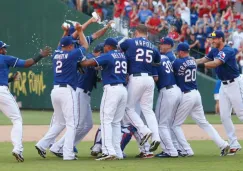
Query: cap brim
{"points": [[5, 45]]}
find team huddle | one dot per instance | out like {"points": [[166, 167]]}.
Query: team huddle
{"points": [[130, 68]]}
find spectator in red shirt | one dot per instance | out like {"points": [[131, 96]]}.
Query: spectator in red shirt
{"points": [[132, 17], [118, 8], [204, 8], [223, 5], [153, 25], [173, 34]]}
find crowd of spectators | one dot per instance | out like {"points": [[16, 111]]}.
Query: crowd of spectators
{"points": [[182, 20]]}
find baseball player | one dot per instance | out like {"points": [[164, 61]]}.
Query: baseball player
{"points": [[85, 85], [8, 104], [63, 95], [141, 55], [223, 59], [168, 100], [185, 69], [114, 99], [165, 47]]}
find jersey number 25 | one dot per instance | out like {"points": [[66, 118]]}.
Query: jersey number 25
{"points": [[148, 55]]}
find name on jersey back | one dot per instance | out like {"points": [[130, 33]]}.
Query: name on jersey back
{"points": [[144, 43], [117, 55], [61, 56], [185, 65]]}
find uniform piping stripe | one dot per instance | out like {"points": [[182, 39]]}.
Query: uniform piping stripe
{"points": [[16, 62], [241, 91], [78, 109], [103, 115]]}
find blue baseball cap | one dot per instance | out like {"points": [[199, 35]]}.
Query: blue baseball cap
{"points": [[3, 45], [99, 48], [167, 41], [111, 42], [66, 41], [183, 47], [217, 34]]}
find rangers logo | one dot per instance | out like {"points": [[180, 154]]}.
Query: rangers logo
{"points": [[221, 54]]}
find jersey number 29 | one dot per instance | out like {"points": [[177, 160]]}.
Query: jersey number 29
{"points": [[148, 54], [121, 66], [190, 75]]}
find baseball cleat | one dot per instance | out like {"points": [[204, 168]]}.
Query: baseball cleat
{"points": [[40, 152], [145, 138], [75, 150], [144, 155], [95, 153], [154, 145], [225, 151], [106, 157], [181, 154], [233, 151], [19, 156], [57, 154], [164, 155]]}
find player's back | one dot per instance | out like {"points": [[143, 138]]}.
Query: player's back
{"points": [[185, 73], [114, 67], [165, 73], [65, 66], [140, 54]]}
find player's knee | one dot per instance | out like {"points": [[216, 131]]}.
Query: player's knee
{"points": [[16, 119], [224, 118]]}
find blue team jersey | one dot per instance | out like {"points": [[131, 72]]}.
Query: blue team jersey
{"points": [[65, 66], [170, 55], [89, 39], [5, 63], [185, 70], [165, 73], [229, 69], [88, 80], [217, 87], [114, 67], [140, 54]]}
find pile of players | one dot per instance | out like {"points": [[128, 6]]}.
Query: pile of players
{"points": [[129, 68]]}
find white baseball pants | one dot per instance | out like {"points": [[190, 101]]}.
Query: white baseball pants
{"points": [[64, 102], [167, 104], [10, 108], [84, 120], [191, 104], [141, 91], [231, 96], [112, 111]]}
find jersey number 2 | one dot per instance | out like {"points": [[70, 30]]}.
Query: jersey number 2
{"points": [[190, 75], [59, 67], [148, 54], [121, 66]]}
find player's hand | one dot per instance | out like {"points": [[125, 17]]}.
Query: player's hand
{"points": [[110, 23], [94, 20], [65, 27], [46, 51], [78, 27]]}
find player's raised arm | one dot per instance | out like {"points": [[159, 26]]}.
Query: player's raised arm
{"points": [[102, 31], [202, 60], [82, 39], [43, 53]]}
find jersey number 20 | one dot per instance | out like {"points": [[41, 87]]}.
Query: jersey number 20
{"points": [[190, 75], [148, 54], [121, 66]]}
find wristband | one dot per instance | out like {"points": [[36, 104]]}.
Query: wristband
{"points": [[37, 58], [11, 79]]}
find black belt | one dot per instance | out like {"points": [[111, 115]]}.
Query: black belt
{"points": [[87, 92], [227, 82], [140, 74], [187, 91], [62, 85], [117, 84], [65, 85], [169, 87]]}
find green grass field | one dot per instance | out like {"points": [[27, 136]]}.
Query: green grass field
{"points": [[206, 159], [44, 117]]}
